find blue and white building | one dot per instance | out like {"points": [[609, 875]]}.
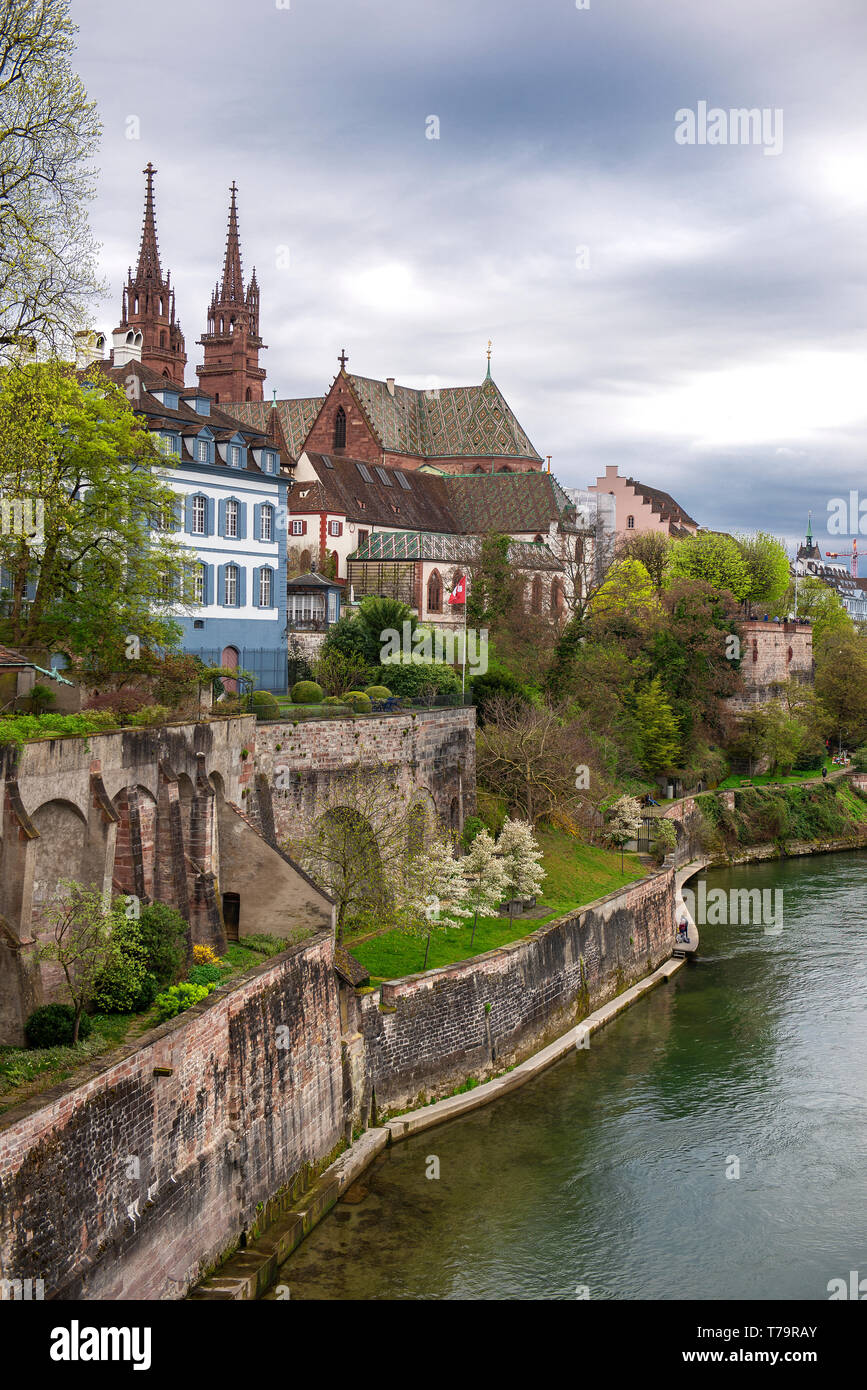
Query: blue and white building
{"points": [[232, 486]]}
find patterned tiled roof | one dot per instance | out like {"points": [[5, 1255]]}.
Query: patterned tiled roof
{"points": [[296, 417], [425, 545], [508, 502], [450, 422], [9, 657]]}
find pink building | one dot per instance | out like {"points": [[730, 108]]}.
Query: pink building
{"points": [[642, 508]]}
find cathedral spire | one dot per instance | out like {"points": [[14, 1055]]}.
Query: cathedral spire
{"points": [[148, 303], [148, 268], [232, 288], [231, 371]]}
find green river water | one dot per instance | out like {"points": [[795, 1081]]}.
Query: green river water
{"points": [[609, 1170]]}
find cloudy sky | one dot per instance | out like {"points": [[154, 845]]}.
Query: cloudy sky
{"points": [[694, 313]]}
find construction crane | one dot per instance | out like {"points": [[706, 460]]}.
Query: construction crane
{"points": [[841, 554]]}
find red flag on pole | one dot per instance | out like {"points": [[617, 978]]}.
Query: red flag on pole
{"points": [[459, 592]]}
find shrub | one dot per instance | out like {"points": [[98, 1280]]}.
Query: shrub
{"points": [[337, 671], [149, 714], [306, 693], [164, 935], [19, 728], [121, 703], [415, 680], [472, 826], [205, 975], [859, 759], [205, 955], [378, 692], [265, 705], [51, 1025], [122, 987], [181, 997], [358, 702], [333, 700], [42, 697]]}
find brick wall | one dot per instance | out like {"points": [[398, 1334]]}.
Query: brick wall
{"points": [[428, 1033], [238, 1119]]}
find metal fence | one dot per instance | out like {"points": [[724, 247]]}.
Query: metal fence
{"points": [[269, 665]]}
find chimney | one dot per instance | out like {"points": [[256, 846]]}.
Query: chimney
{"points": [[89, 347], [127, 346], [389, 381]]}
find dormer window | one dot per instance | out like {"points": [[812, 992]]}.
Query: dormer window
{"points": [[202, 450], [235, 455], [169, 445]]}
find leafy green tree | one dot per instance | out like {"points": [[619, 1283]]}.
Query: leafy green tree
{"points": [[841, 682], [651, 549], [691, 650], [82, 942], [767, 565], [658, 734], [101, 571], [495, 590], [714, 558], [824, 608], [48, 133], [628, 589]]}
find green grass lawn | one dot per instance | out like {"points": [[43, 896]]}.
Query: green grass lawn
{"points": [[764, 778], [576, 874]]}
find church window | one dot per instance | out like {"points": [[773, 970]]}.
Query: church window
{"points": [[434, 593], [536, 595], [630, 523], [340, 428], [556, 598], [162, 338], [230, 586], [249, 395], [232, 519], [200, 516]]}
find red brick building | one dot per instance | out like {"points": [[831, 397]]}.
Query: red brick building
{"points": [[453, 429]]}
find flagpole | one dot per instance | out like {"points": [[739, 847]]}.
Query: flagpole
{"points": [[464, 667]]}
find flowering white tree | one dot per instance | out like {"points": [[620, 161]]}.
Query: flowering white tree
{"points": [[520, 856], [625, 823], [484, 875], [435, 892]]}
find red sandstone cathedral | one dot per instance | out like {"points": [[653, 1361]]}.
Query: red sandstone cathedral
{"points": [[454, 429]]}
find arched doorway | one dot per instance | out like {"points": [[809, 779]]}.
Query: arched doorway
{"points": [[229, 659]]}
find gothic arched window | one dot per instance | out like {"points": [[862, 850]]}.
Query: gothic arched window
{"points": [[630, 523], [435, 593], [340, 428], [557, 598], [249, 395], [536, 594]]}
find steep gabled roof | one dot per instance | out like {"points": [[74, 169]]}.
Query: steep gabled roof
{"points": [[296, 417], [662, 503], [449, 422], [422, 505]]}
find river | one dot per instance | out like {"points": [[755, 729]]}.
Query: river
{"points": [[608, 1173]]}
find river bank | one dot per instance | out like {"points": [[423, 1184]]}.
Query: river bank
{"points": [[709, 1145]]}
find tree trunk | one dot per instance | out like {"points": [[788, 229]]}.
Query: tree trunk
{"points": [[426, 949], [473, 933]]}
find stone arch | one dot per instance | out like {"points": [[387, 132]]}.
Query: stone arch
{"points": [[60, 853], [357, 879]]}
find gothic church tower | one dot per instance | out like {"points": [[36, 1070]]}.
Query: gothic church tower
{"points": [[231, 370], [149, 301]]}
